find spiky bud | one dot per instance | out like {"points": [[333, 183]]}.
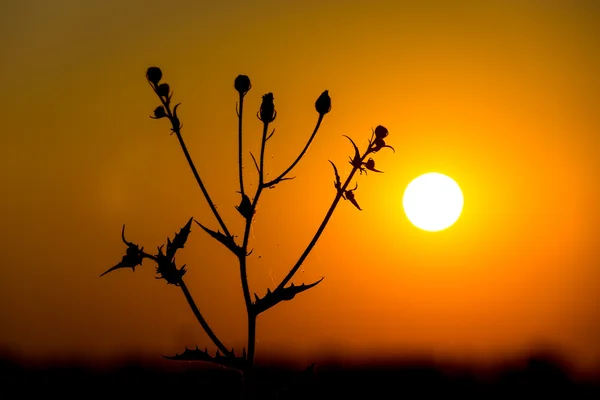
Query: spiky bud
{"points": [[267, 111]]}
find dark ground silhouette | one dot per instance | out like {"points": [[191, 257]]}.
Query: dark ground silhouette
{"points": [[534, 376]]}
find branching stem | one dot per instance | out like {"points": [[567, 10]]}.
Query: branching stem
{"points": [[328, 216]]}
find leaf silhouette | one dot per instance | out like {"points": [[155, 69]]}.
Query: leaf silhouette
{"points": [[179, 239], [279, 295], [337, 183], [202, 355], [356, 152], [226, 240], [133, 257]]}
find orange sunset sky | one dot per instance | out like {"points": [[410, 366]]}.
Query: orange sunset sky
{"points": [[503, 96]]}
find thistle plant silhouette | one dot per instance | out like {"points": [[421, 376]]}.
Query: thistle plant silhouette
{"points": [[165, 260]]}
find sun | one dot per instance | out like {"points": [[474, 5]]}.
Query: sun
{"points": [[433, 202]]}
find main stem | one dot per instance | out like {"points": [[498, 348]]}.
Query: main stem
{"points": [[201, 319], [243, 271]]}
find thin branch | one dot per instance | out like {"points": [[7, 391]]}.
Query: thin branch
{"points": [[328, 216], [202, 321], [255, 163], [284, 173], [240, 113], [177, 129]]}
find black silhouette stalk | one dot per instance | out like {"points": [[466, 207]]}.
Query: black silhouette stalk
{"points": [[201, 319], [267, 115], [164, 94], [340, 193], [287, 171], [242, 85], [323, 106]]}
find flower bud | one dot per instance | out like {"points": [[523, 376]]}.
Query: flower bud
{"points": [[163, 90], [242, 84], [381, 132], [154, 75], [267, 111], [323, 103], [159, 112]]}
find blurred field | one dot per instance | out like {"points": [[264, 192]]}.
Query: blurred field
{"points": [[532, 376]]}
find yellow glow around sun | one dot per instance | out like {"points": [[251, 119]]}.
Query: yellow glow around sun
{"points": [[433, 202]]}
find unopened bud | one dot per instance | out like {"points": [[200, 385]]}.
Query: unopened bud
{"points": [[154, 75], [242, 84], [159, 112], [381, 132], [163, 90], [267, 111], [323, 103]]}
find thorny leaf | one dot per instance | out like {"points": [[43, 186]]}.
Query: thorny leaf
{"points": [[245, 207], [337, 183], [179, 240], [272, 298], [175, 120], [226, 240], [202, 355], [349, 195], [167, 269], [357, 160], [133, 256]]}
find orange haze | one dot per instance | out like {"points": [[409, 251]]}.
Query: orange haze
{"points": [[501, 96]]}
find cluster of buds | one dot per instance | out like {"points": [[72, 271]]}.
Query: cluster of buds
{"points": [[377, 143], [163, 91]]}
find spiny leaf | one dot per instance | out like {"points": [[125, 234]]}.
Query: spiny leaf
{"points": [[202, 355], [337, 183], [133, 256], [226, 240], [179, 240], [356, 152], [278, 295], [245, 207]]}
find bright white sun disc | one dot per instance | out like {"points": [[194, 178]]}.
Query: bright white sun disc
{"points": [[433, 202]]}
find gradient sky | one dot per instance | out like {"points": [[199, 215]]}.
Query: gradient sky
{"points": [[502, 96]]}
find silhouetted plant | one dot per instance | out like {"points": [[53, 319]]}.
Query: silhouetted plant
{"points": [[165, 261]]}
